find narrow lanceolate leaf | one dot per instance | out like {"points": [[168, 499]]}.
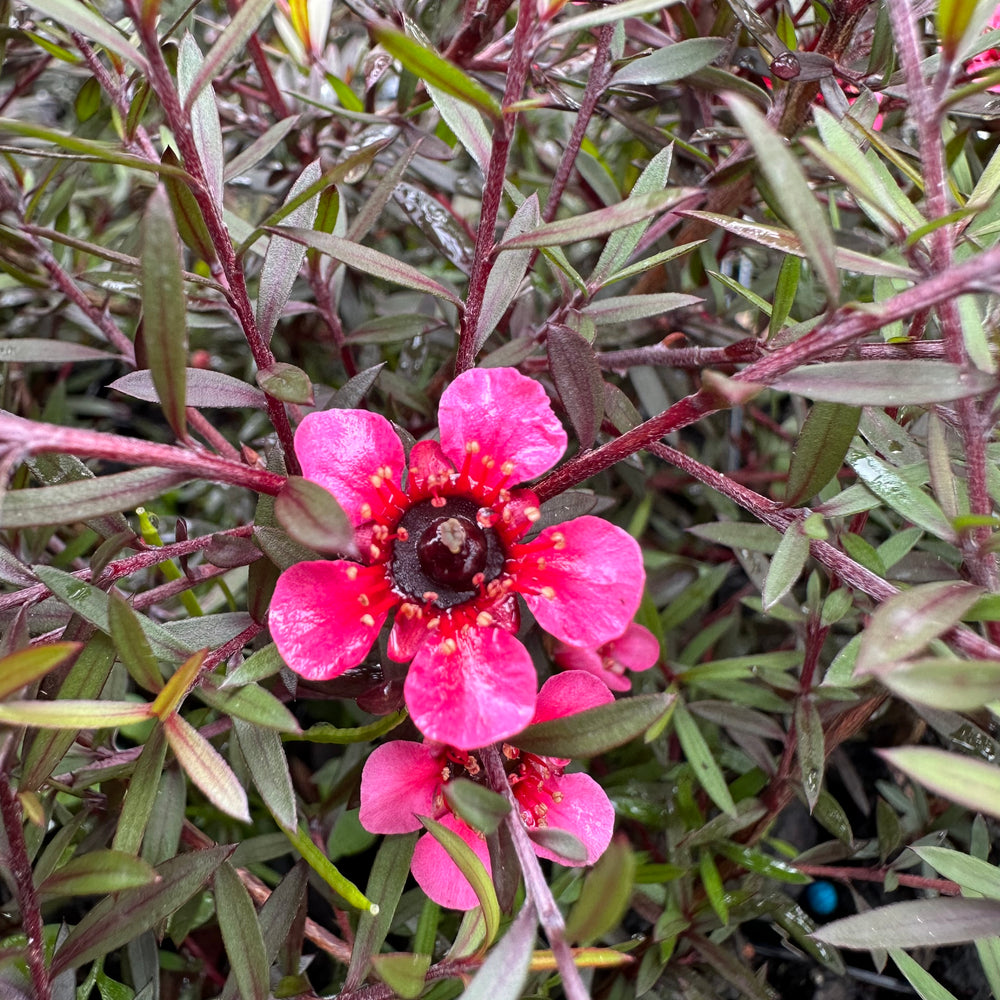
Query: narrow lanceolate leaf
{"points": [[204, 116], [827, 433], [702, 761], [970, 873], [885, 383], [591, 224], [241, 934], [268, 766], [284, 258], [373, 262], [621, 244], [27, 665], [606, 15], [596, 730], [177, 687], [328, 871], [230, 43], [480, 807], [164, 312], [916, 923], [96, 873], [286, 382], [385, 885], [906, 622], [503, 975], [796, 199], [810, 749], [629, 308], [140, 798], [952, 18], [38, 350], [118, 919], [132, 645], [80, 17], [427, 65], [205, 766], [69, 713], [605, 894], [672, 62], [85, 498], [970, 782], [312, 517], [191, 226], [203, 389], [786, 566], [959, 685], [577, 377], [507, 272]]}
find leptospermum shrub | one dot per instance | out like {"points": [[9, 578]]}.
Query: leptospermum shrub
{"points": [[500, 499]]}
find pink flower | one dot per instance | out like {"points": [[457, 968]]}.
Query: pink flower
{"points": [[445, 551], [990, 59], [635, 649], [402, 781]]}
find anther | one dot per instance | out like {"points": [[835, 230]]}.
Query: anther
{"points": [[352, 572], [484, 619], [368, 621]]}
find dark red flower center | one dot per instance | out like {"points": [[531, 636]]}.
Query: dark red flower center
{"points": [[446, 552]]}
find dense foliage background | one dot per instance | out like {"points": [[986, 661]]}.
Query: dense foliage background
{"points": [[750, 251]]}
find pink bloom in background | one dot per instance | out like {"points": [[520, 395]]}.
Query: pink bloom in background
{"points": [[635, 649], [990, 59], [445, 552], [403, 780]]}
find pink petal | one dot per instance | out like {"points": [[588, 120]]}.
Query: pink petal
{"points": [[582, 579], [584, 811], [473, 689], [406, 637], [636, 649], [587, 658], [439, 876], [342, 449], [325, 615], [398, 783], [508, 415], [429, 467], [568, 693]]}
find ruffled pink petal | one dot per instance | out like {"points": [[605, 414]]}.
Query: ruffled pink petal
{"points": [[582, 579], [506, 614], [589, 658], [636, 649], [429, 468], [325, 615], [398, 783], [406, 637], [473, 689], [342, 449], [508, 416], [568, 693], [439, 876], [585, 811]]}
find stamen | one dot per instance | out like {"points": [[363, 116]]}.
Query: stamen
{"points": [[352, 572], [484, 619], [368, 621], [448, 647]]}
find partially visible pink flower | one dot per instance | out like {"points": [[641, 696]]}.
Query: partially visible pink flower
{"points": [[635, 649], [444, 550], [402, 781], [990, 59]]}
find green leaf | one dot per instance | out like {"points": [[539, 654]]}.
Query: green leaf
{"points": [[972, 783], [820, 450], [312, 517], [480, 807], [970, 873], [699, 756], [284, 257], [621, 244], [96, 873], [286, 382], [884, 383], [71, 713], [784, 293], [810, 748], [132, 645], [268, 766], [629, 308], [389, 873], [596, 730], [915, 924], [606, 15], [798, 203], [120, 918], [944, 682], [740, 535], [368, 261], [919, 978], [786, 566], [427, 65], [591, 224], [604, 898], [241, 935], [191, 226], [907, 622], [84, 499], [578, 381], [951, 19], [142, 787], [39, 350], [164, 308], [403, 973], [327, 871], [672, 62], [205, 766], [28, 665], [203, 115], [80, 17], [249, 703]]}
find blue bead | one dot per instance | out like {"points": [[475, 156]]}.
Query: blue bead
{"points": [[821, 897]]}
